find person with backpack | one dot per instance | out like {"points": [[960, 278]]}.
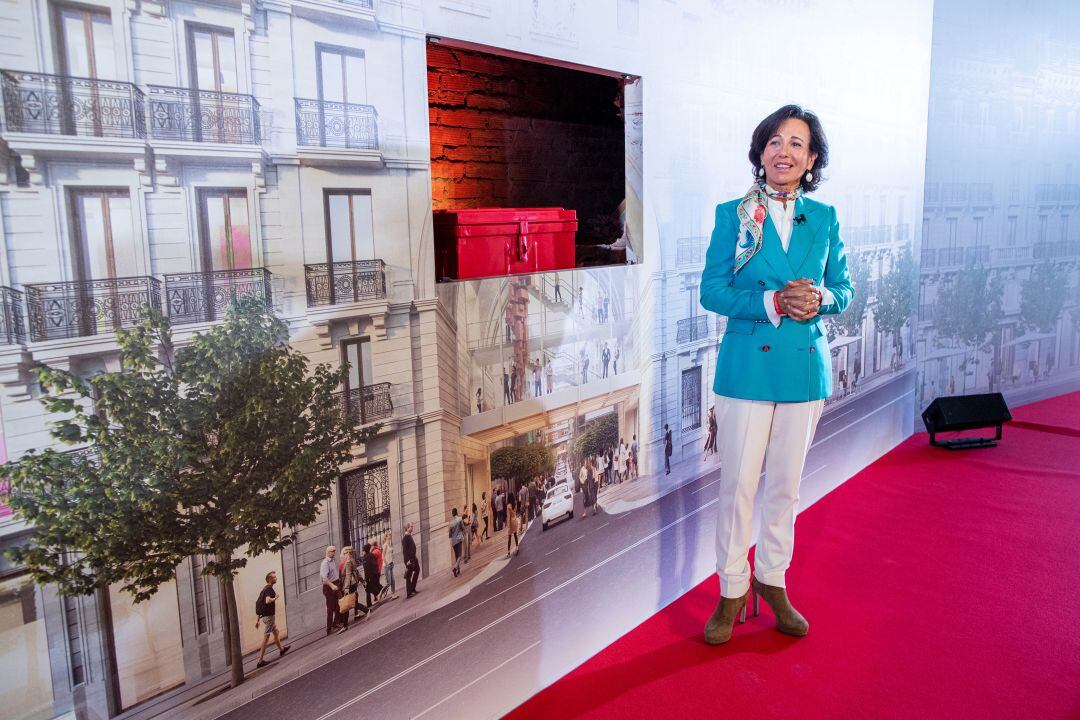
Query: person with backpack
{"points": [[265, 612], [457, 536]]}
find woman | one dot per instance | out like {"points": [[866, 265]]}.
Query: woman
{"points": [[351, 579], [511, 525], [484, 514], [457, 535], [710, 437], [475, 525], [372, 587], [388, 565], [775, 265]]}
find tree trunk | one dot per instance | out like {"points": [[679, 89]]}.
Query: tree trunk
{"points": [[226, 627], [236, 674]]}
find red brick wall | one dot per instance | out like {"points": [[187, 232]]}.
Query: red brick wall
{"points": [[514, 133]]}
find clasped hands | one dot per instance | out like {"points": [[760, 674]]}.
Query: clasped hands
{"points": [[799, 299]]}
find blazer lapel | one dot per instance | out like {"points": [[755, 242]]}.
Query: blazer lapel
{"points": [[804, 237], [773, 251]]}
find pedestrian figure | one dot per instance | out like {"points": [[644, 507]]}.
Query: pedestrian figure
{"points": [[581, 302], [506, 387], [592, 492], [606, 316], [466, 524], [624, 461], [615, 364], [388, 563], [634, 455], [499, 502], [710, 434], [412, 563], [605, 358], [475, 524], [479, 400], [331, 587], [667, 450], [550, 376], [265, 610], [372, 587], [514, 382], [579, 486], [457, 536], [511, 528], [484, 514], [558, 291], [351, 579], [536, 378]]}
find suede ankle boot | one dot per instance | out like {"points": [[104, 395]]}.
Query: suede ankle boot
{"points": [[788, 620], [718, 628]]}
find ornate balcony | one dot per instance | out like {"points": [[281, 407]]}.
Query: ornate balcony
{"points": [[12, 324], [203, 116], [62, 105], [367, 404], [205, 296], [345, 282], [85, 308], [692, 329], [321, 123]]}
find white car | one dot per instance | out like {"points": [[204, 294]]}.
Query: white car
{"points": [[558, 503]]}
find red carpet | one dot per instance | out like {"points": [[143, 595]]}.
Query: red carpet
{"points": [[938, 584]]}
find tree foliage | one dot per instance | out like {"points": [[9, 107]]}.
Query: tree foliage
{"points": [[896, 294], [209, 449], [1042, 297], [851, 320], [968, 307], [599, 435], [521, 463]]}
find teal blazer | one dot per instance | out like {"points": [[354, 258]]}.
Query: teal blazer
{"points": [[757, 361]]}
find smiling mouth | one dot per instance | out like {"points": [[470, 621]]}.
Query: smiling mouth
{"points": [[782, 166]]}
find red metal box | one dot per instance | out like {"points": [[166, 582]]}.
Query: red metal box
{"points": [[488, 242]]}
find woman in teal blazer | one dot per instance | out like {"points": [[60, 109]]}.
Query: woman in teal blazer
{"points": [[775, 265]]}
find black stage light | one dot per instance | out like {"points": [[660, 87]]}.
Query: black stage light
{"points": [[966, 412]]}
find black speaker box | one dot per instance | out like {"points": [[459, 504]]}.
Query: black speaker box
{"points": [[966, 412]]}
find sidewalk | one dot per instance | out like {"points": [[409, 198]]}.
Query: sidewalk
{"points": [[212, 698], [632, 494]]}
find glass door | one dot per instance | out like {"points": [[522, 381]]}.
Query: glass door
{"points": [[357, 353], [212, 62], [350, 239], [226, 245], [102, 249], [84, 47], [342, 86]]}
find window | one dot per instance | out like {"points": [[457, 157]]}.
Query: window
{"points": [[84, 42], [1011, 239], [26, 683], [357, 353], [341, 75], [223, 229], [691, 398], [365, 505], [102, 237], [212, 59], [349, 233]]}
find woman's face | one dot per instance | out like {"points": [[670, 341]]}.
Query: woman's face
{"points": [[787, 156]]}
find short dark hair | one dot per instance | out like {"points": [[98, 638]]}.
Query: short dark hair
{"points": [[819, 145], [269, 574]]}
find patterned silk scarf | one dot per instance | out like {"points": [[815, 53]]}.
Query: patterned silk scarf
{"points": [[752, 212]]}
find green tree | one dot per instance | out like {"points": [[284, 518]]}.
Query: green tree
{"points": [[896, 297], [968, 309], [597, 437], [1042, 297], [851, 320], [519, 464], [211, 449]]}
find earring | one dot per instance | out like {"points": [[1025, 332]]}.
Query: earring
{"points": [[761, 172], [809, 176]]}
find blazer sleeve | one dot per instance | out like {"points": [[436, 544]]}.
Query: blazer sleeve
{"points": [[717, 294], [837, 278]]}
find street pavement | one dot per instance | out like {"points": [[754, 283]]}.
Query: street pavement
{"points": [[567, 593]]}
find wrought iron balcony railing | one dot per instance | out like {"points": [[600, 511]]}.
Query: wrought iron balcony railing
{"points": [[205, 296], [203, 116], [89, 307], [321, 123], [12, 324], [367, 404], [692, 329], [62, 105], [345, 282]]}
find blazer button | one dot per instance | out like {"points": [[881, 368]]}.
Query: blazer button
{"points": [[811, 349], [761, 283], [765, 348]]}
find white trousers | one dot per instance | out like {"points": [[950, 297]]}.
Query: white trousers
{"points": [[747, 429]]}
